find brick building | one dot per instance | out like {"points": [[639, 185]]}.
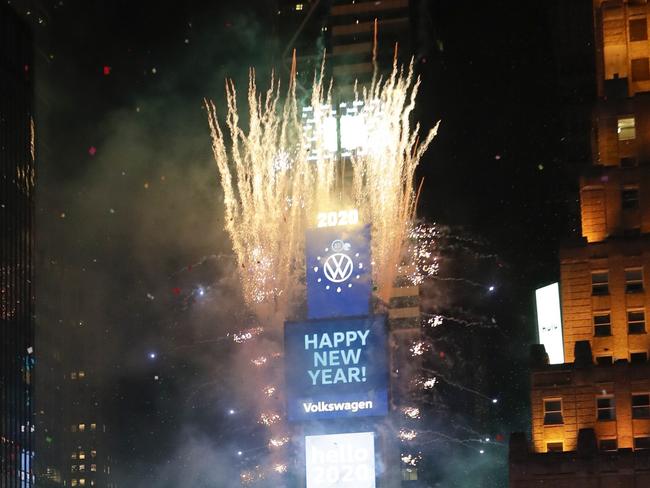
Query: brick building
{"points": [[591, 415]]}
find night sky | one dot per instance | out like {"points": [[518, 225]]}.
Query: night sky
{"points": [[130, 218]]}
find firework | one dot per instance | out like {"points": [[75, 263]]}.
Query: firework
{"points": [[407, 435], [411, 412], [278, 441], [269, 418], [274, 178]]}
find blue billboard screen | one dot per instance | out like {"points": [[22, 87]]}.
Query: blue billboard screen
{"points": [[339, 271], [336, 368]]}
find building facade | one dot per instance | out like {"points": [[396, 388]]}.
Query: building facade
{"points": [[17, 348], [591, 415]]}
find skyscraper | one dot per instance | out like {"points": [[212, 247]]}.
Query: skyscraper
{"points": [[16, 242], [591, 415]]}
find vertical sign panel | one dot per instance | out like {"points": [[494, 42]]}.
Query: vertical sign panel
{"points": [[340, 460], [336, 368], [549, 322], [338, 271]]}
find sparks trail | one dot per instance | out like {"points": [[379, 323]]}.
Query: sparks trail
{"points": [[482, 322], [459, 280], [439, 376]]}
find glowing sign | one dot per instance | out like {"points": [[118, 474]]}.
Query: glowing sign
{"points": [[338, 271], [549, 322], [340, 460], [338, 368], [336, 218]]}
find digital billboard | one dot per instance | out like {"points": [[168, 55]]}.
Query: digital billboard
{"points": [[340, 460], [336, 368], [339, 270], [549, 322]]}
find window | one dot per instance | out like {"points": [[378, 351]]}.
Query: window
{"points": [[73, 455], [299, 6], [629, 162], [641, 406], [638, 357], [630, 198], [626, 129], [602, 325], [73, 428], [641, 443], [73, 375], [93, 467], [93, 426], [554, 447], [608, 445], [409, 474], [635, 321], [82, 482], [93, 453], [638, 30], [73, 482], [604, 360], [600, 283], [640, 69], [73, 468], [82, 455], [606, 407], [82, 374], [553, 412], [82, 427], [633, 280], [82, 467]]}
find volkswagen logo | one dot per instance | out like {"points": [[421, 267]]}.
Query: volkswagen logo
{"points": [[338, 267]]}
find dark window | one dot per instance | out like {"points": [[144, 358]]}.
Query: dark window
{"points": [[640, 69], [633, 280], [608, 445], [630, 198], [638, 30], [553, 412], [600, 283], [628, 162], [635, 321], [638, 357], [641, 406], [642, 443], [632, 232], [554, 447], [606, 407], [602, 325], [604, 360]]}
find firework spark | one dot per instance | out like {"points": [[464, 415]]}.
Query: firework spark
{"points": [[411, 412], [246, 335], [278, 441], [407, 435], [269, 418]]}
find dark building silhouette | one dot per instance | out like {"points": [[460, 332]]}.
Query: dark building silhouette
{"points": [[16, 243]]}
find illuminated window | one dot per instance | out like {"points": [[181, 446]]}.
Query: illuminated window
{"points": [[606, 407], [553, 411], [630, 198], [82, 467], [82, 455], [93, 426], [93, 453], [635, 321], [638, 30], [73, 375], [641, 406], [82, 482], [602, 325], [641, 443], [608, 445], [82, 374], [600, 283], [638, 357], [409, 474], [73, 468], [626, 129], [640, 69], [82, 427], [73, 455], [633, 280], [554, 447], [93, 467], [299, 6], [73, 482]]}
